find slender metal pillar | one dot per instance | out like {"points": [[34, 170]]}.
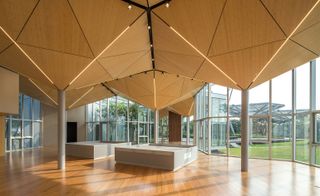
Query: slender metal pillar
{"points": [[244, 129], [156, 126], [61, 129], [188, 129], [312, 148], [195, 123], [209, 119]]}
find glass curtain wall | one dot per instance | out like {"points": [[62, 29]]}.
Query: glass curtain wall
{"points": [[24, 130], [283, 117], [184, 128], [118, 119]]}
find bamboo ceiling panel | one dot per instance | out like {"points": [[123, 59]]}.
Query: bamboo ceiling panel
{"points": [[14, 14], [95, 74], [98, 92], [290, 56], [192, 18], [184, 107], [155, 89], [147, 2], [54, 26], [28, 88], [13, 59], [102, 21], [61, 68], [243, 66], [244, 23], [287, 13]]}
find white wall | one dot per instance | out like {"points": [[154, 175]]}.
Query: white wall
{"points": [[9, 88], [50, 124]]}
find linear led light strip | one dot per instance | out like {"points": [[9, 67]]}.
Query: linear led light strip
{"points": [[30, 59], [87, 92], [99, 55], [43, 91], [288, 38], [204, 56]]}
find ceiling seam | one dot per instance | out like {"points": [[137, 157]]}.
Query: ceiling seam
{"points": [[105, 86], [299, 44], [104, 69], [176, 53], [84, 35], [200, 53], [103, 51], [216, 29], [3, 50], [122, 54], [82, 96], [286, 40], [53, 50], [273, 18], [307, 28], [25, 23], [247, 48], [212, 39], [125, 69]]}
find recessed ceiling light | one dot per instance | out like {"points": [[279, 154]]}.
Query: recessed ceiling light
{"points": [[167, 5], [149, 27], [129, 6]]}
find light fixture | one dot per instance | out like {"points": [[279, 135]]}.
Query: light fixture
{"points": [[129, 6], [151, 45], [167, 5], [149, 27]]}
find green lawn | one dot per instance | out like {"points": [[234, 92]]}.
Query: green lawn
{"points": [[280, 150]]}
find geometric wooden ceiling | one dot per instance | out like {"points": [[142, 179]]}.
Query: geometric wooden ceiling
{"points": [[78, 45]]}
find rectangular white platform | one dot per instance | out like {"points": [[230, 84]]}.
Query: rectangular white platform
{"points": [[161, 156], [92, 150]]}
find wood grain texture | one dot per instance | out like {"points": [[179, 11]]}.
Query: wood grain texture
{"points": [[34, 173], [174, 125]]}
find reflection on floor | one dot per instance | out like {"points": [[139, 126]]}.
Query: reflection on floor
{"points": [[34, 173]]}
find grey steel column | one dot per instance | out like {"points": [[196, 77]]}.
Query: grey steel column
{"points": [[156, 126], [244, 129], [188, 129], [61, 129]]}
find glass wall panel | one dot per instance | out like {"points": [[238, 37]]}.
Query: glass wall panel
{"points": [[27, 109], [27, 143], [318, 155], [282, 94], [104, 110], [122, 131], [317, 128], [27, 129], [259, 146], [235, 102], [218, 135], [36, 134], [16, 128], [36, 109], [122, 107], [235, 136], [112, 108], [218, 100], [16, 144], [282, 137], [133, 111], [318, 83], [259, 100], [302, 137], [24, 130], [303, 88]]}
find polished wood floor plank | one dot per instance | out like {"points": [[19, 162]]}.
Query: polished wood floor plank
{"points": [[34, 172]]}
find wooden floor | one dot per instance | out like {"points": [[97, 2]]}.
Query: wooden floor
{"points": [[34, 173]]}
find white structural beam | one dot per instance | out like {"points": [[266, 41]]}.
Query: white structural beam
{"points": [[156, 126], [61, 129], [244, 129]]}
